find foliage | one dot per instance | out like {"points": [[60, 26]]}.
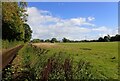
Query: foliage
{"points": [[115, 38], [53, 40], [100, 39], [23, 14], [65, 40], [28, 32], [47, 40], [6, 44], [108, 38], [7, 73], [11, 23], [36, 40], [13, 18]]}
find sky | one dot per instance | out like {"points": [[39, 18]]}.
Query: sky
{"points": [[61, 0], [73, 20], [72, 0]]}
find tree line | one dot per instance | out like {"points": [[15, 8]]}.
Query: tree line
{"points": [[65, 40], [108, 38], [14, 18]]}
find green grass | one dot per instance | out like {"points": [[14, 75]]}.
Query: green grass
{"points": [[102, 55], [6, 44], [34, 61], [98, 59]]}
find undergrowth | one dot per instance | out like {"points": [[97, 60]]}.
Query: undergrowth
{"points": [[9, 44]]}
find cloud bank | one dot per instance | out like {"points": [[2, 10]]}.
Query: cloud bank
{"points": [[45, 25]]}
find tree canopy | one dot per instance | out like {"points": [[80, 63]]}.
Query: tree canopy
{"points": [[108, 38], [53, 40], [65, 40], [28, 32], [13, 21]]}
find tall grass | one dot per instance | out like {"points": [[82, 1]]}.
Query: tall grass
{"points": [[39, 65], [9, 44]]}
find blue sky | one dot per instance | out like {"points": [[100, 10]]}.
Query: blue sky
{"points": [[93, 17], [104, 12], [72, 0]]}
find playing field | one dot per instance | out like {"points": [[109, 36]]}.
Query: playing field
{"points": [[103, 56]]}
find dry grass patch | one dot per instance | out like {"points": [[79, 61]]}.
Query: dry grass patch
{"points": [[45, 45]]}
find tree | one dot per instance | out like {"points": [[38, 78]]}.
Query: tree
{"points": [[12, 21], [22, 9], [117, 37], [53, 40], [35, 40], [101, 39], [47, 40], [28, 32], [107, 38], [65, 40], [41, 40], [112, 38]]}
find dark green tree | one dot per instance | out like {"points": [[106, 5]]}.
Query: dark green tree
{"points": [[107, 38], [47, 40], [117, 37], [101, 39], [65, 40], [53, 40], [13, 14], [112, 38], [36, 40], [28, 32]]}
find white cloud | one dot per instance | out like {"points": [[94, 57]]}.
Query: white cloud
{"points": [[81, 21], [44, 26], [91, 18], [103, 31], [100, 29]]}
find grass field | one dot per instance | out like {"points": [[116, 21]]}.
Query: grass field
{"points": [[103, 56], [89, 60]]}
